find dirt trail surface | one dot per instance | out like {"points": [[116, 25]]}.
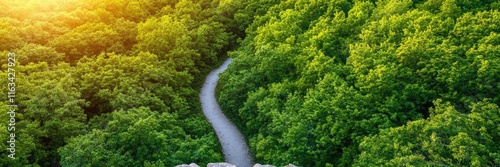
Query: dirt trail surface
{"points": [[233, 144]]}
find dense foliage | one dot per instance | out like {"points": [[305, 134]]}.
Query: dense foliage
{"points": [[113, 82], [368, 83], [313, 83]]}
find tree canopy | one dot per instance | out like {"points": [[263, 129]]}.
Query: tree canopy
{"points": [[367, 83], [111, 83], [313, 83]]}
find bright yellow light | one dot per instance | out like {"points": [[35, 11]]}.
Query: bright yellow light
{"points": [[25, 9]]}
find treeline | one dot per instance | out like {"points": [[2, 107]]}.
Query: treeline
{"points": [[368, 83], [111, 83]]}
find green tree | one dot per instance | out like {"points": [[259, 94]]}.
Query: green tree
{"points": [[9, 37], [89, 39], [136, 137], [34, 53], [446, 138], [161, 35]]}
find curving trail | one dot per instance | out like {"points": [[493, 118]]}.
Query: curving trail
{"points": [[233, 144]]}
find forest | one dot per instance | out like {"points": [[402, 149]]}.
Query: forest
{"points": [[110, 83], [368, 82], [312, 82]]}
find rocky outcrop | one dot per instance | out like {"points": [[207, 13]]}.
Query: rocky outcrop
{"points": [[259, 165], [220, 165], [190, 165], [223, 164]]}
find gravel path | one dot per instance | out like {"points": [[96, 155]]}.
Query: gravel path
{"points": [[233, 144]]}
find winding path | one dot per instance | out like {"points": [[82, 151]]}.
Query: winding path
{"points": [[233, 144]]}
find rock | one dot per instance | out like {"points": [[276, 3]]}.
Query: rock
{"points": [[190, 165], [220, 165], [224, 164], [259, 165]]}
